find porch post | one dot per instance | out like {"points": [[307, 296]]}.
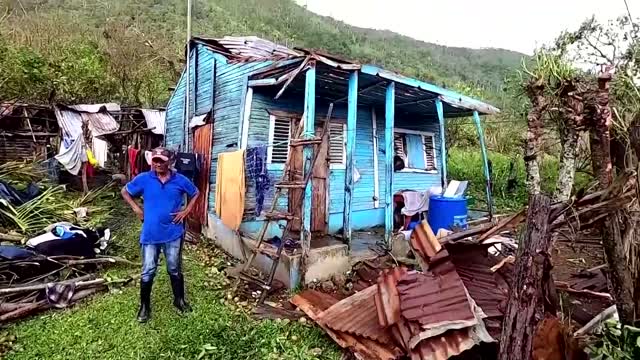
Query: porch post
{"points": [[443, 145], [307, 155], [352, 112], [389, 152], [485, 162]]}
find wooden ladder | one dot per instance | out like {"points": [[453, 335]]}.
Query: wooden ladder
{"points": [[273, 215]]}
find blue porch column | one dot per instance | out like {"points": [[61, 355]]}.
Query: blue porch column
{"points": [[352, 114], [443, 145], [307, 155], [390, 104], [485, 162]]}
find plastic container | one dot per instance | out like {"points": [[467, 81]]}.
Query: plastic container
{"points": [[445, 213]]}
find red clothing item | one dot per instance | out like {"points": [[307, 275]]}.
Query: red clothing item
{"points": [[90, 170], [133, 154]]}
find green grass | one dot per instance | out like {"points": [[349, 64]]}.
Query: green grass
{"points": [[105, 328], [466, 164]]}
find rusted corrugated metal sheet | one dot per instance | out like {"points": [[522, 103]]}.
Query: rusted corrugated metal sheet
{"points": [[314, 302], [424, 241], [489, 289], [387, 297], [356, 315], [202, 143], [435, 300]]}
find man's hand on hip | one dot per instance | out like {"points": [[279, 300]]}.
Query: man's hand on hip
{"points": [[180, 216]]}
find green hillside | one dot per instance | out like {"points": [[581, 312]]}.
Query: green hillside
{"points": [[131, 51]]}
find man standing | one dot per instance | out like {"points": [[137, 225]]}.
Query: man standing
{"points": [[162, 190]]}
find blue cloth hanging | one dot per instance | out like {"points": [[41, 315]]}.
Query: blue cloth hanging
{"points": [[256, 163]]}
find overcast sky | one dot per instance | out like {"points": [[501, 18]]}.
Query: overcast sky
{"points": [[510, 24]]}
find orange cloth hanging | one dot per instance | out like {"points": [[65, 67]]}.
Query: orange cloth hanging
{"points": [[230, 188]]}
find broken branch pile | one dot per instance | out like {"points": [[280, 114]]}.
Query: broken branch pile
{"points": [[39, 283]]}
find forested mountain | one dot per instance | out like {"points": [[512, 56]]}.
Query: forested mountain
{"points": [[131, 51]]}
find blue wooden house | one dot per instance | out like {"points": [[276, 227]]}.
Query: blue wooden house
{"points": [[386, 133]]}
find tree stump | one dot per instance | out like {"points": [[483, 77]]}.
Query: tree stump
{"points": [[532, 293]]}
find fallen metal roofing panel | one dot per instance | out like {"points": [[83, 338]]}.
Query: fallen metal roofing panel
{"points": [[356, 315], [314, 302], [387, 298], [489, 289], [435, 301]]}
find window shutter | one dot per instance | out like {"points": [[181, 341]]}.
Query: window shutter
{"points": [[337, 141], [398, 145], [280, 141], [429, 152]]}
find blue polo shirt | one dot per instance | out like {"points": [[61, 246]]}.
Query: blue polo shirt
{"points": [[159, 202]]}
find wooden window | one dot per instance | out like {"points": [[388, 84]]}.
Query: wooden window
{"points": [[279, 136], [416, 149]]}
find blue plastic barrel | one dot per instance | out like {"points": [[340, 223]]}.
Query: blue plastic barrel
{"points": [[445, 213]]}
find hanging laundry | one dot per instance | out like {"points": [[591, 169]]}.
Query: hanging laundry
{"points": [[91, 159], [257, 170], [230, 188], [132, 155], [100, 151], [72, 157], [187, 165]]}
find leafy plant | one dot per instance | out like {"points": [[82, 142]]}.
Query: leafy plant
{"points": [[616, 342]]}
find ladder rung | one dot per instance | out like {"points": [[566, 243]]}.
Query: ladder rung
{"points": [[255, 280], [279, 216], [301, 142], [291, 185]]}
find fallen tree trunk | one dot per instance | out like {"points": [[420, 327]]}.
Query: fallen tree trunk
{"points": [[533, 285]]}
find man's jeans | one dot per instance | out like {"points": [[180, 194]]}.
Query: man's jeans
{"points": [[151, 252]]}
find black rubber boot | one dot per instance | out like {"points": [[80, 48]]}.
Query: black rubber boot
{"points": [[177, 285], [144, 313]]}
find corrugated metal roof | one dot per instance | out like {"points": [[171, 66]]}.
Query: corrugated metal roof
{"points": [[100, 122], [249, 47], [356, 315], [94, 108], [155, 120]]}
